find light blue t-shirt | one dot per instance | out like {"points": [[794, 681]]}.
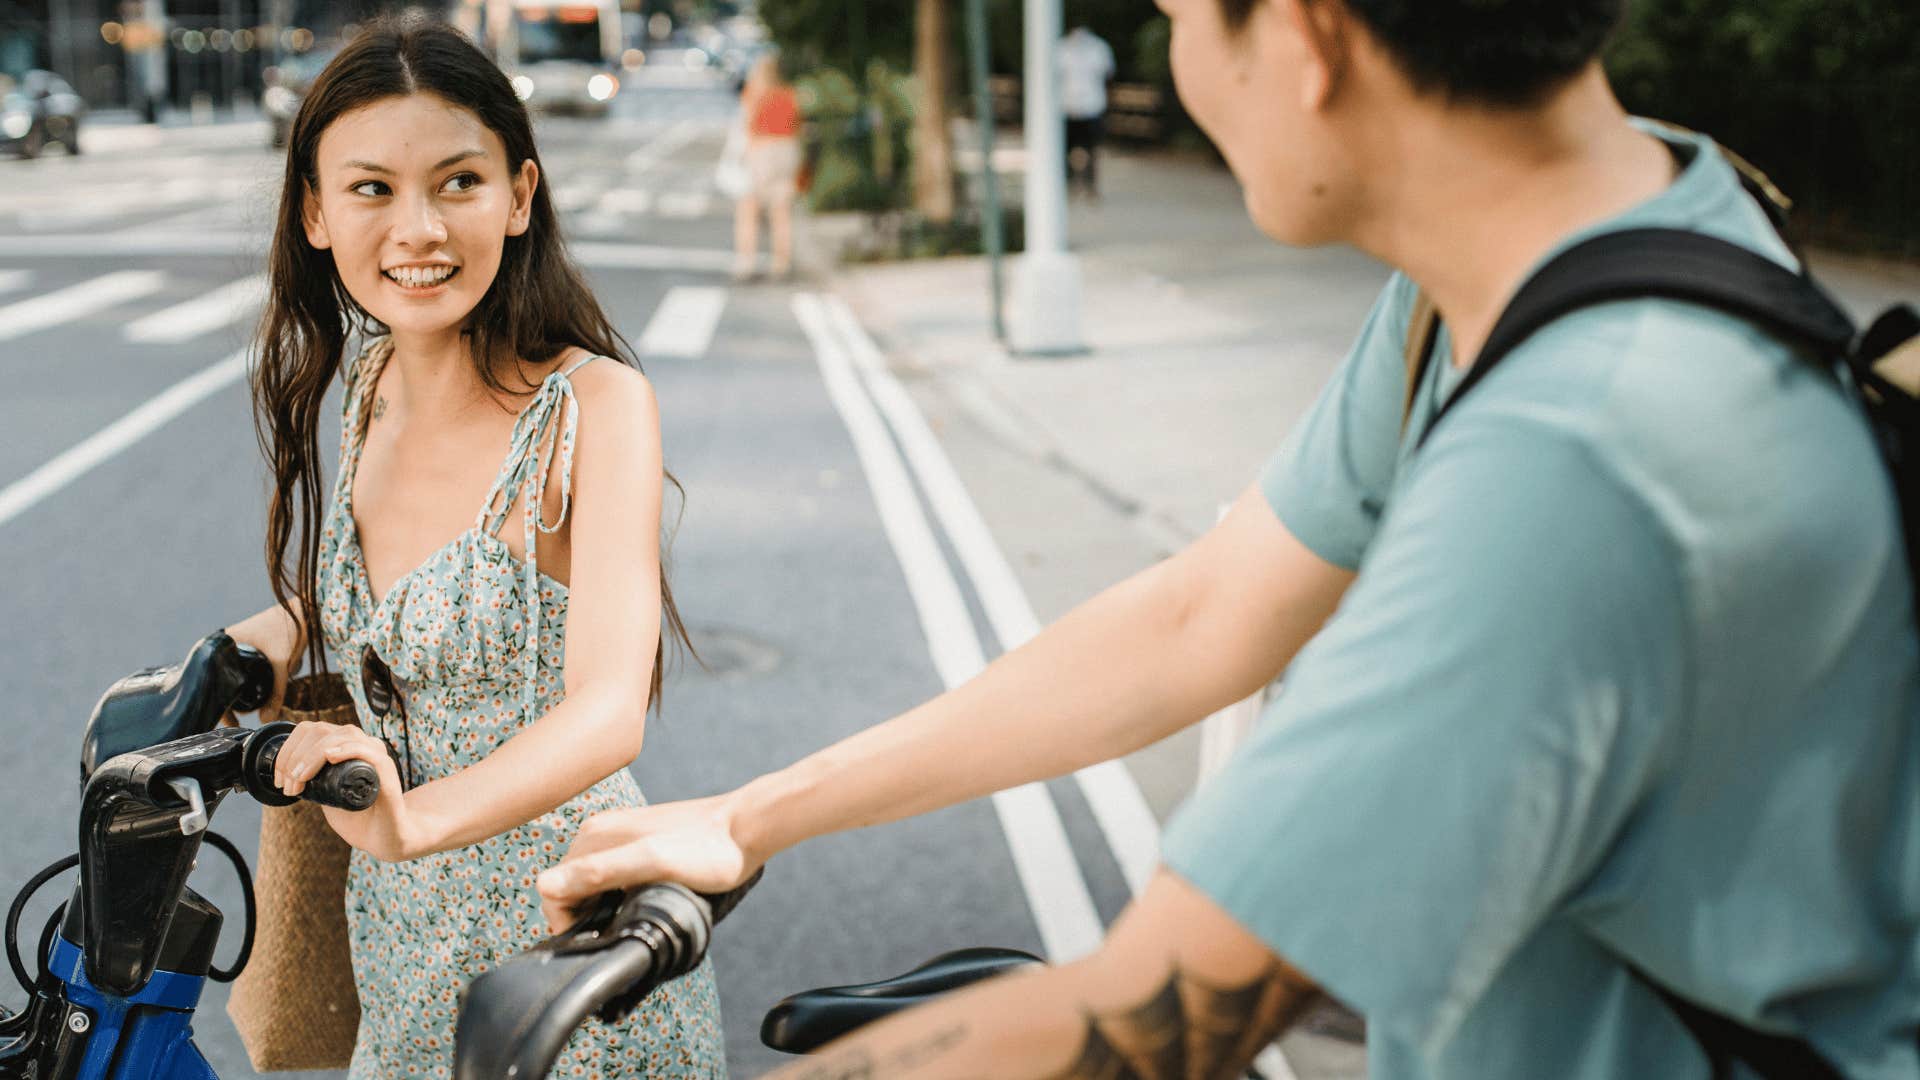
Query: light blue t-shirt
{"points": [[1628, 679]]}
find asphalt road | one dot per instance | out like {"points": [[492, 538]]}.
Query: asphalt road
{"points": [[132, 504]]}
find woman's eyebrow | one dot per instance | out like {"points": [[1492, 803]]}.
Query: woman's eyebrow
{"points": [[455, 159]]}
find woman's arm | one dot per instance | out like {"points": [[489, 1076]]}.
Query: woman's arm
{"points": [[613, 628], [1140, 661]]}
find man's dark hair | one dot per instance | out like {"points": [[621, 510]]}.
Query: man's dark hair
{"points": [[1489, 52]]}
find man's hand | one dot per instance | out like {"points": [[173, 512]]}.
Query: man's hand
{"points": [[689, 842]]}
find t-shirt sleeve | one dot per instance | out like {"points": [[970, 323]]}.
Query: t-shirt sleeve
{"points": [[1456, 751], [1328, 482]]}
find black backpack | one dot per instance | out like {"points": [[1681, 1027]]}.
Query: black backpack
{"points": [[1879, 368]]}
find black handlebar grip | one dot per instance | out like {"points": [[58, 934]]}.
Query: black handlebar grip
{"points": [[348, 785], [722, 904], [256, 679]]}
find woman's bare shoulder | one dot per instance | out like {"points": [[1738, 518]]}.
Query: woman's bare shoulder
{"points": [[611, 392]]}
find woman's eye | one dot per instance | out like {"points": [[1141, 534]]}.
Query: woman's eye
{"points": [[370, 188], [465, 181]]}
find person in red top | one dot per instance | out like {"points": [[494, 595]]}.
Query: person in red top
{"points": [[771, 112]]}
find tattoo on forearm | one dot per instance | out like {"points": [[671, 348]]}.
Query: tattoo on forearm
{"points": [[1188, 1030]]}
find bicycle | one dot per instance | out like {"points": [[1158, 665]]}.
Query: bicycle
{"points": [[124, 960]]}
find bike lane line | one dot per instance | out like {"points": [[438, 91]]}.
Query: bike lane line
{"points": [[16, 498], [1043, 858], [1118, 806]]}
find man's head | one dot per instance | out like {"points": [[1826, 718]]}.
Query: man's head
{"points": [[1300, 94]]}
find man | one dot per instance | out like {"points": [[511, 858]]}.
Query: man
{"points": [[1085, 64], [1603, 701]]}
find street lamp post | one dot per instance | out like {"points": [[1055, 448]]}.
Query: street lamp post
{"points": [[1046, 301]]}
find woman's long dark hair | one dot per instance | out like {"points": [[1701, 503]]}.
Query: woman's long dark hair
{"points": [[537, 306]]}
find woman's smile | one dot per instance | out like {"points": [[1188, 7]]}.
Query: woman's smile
{"points": [[421, 280]]}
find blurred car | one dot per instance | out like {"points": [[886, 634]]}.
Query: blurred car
{"points": [[287, 85], [42, 109]]}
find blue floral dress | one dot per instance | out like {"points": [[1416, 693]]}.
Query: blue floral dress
{"points": [[475, 640]]}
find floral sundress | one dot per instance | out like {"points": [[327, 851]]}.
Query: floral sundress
{"points": [[475, 640]]}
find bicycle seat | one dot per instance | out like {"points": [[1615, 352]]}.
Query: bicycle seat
{"points": [[809, 1020]]}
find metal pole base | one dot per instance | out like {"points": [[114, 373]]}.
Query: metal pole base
{"points": [[1046, 305]]}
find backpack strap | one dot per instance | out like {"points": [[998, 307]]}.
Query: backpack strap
{"points": [[1423, 326], [1671, 264]]}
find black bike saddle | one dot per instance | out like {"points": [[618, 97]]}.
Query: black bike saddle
{"points": [[809, 1020]]}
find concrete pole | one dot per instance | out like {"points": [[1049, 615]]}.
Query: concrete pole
{"points": [[1046, 283]]}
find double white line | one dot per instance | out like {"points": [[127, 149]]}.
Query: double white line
{"points": [[863, 391]]}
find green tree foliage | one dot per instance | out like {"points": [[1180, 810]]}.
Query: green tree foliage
{"points": [[842, 34], [1824, 95]]}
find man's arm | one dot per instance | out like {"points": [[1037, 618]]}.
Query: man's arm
{"points": [[1140, 661], [1179, 991]]}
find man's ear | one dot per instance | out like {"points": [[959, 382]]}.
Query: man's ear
{"points": [[314, 222], [525, 183], [1321, 26]]}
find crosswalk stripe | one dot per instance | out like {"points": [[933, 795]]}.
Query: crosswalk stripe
{"points": [[223, 306], [683, 325], [625, 201], [14, 279], [684, 204], [76, 301], [663, 146]]}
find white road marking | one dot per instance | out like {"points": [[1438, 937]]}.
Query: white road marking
{"points": [[76, 301], [223, 306], [625, 201], [682, 326], [662, 146], [1043, 858], [22, 494], [14, 279], [684, 205], [1112, 795]]}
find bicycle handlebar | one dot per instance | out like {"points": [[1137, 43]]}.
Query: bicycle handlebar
{"points": [[515, 1019], [141, 821]]}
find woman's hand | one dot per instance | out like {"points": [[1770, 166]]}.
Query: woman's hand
{"points": [[386, 830], [689, 842]]}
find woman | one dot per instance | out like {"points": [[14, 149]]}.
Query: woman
{"points": [[494, 405], [770, 110]]}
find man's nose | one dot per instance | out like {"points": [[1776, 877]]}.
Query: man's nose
{"points": [[420, 223]]}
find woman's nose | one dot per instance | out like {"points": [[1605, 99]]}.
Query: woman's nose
{"points": [[420, 223]]}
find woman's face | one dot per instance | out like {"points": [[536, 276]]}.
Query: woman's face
{"points": [[415, 200]]}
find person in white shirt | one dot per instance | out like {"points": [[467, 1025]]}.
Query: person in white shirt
{"points": [[1083, 64]]}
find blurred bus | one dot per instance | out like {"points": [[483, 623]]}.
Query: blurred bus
{"points": [[561, 57]]}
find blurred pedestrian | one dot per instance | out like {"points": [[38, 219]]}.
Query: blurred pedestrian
{"points": [[1085, 66], [770, 112]]}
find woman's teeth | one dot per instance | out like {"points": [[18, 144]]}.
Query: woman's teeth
{"points": [[416, 277]]}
